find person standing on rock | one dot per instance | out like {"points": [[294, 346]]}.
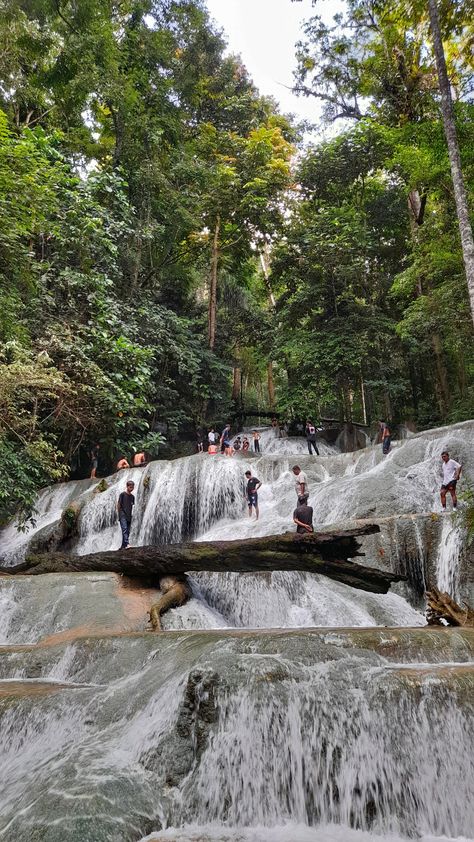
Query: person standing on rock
{"points": [[200, 441], [301, 484], [126, 502], [303, 516], [253, 484], [386, 437], [94, 460], [256, 441], [310, 431], [451, 473], [225, 439], [212, 436]]}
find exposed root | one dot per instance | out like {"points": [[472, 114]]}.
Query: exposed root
{"points": [[175, 591]]}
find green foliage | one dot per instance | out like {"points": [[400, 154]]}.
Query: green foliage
{"points": [[135, 155]]}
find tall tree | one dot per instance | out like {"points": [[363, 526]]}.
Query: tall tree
{"points": [[449, 122]]}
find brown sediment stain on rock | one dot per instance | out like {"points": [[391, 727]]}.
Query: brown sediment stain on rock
{"points": [[136, 602], [19, 689], [132, 602], [436, 671], [69, 635]]}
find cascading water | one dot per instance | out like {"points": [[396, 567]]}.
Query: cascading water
{"points": [[359, 734], [450, 550]]}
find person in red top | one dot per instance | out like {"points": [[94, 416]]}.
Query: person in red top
{"points": [[386, 437]]}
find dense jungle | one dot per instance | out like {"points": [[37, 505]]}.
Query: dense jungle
{"points": [[173, 248]]}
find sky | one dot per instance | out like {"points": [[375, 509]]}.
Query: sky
{"points": [[264, 33]]}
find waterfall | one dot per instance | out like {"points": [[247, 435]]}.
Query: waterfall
{"points": [[349, 722], [365, 764], [448, 562], [230, 732], [49, 506]]}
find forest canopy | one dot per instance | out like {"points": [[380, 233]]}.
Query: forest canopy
{"points": [[171, 249]]}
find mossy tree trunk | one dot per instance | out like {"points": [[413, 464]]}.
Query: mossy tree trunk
{"points": [[327, 553]]}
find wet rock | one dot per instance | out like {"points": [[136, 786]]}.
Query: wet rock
{"points": [[198, 711]]}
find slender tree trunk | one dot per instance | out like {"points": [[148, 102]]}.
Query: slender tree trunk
{"points": [[213, 285], [387, 403], [266, 275], [272, 303], [416, 207], [441, 374], [271, 385], [237, 384], [460, 195], [362, 394]]}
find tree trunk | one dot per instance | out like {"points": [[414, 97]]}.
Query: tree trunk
{"points": [[362, 395], [326, 553], [271, 385], [213, 285], [416, 207], [460, 195], [442, 383], [443, 607], [266, 275], [236, 384]]}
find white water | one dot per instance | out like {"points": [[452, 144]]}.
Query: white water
{"points": [[283, 833], [450, 551], [235, 736]]}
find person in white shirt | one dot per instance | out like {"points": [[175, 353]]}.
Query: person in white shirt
{"points": [[451, 473], [212, 436], [301, 484]]}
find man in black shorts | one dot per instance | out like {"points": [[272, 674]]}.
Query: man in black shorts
{"points": [[451, 473], [125, 504], [253, 484]]}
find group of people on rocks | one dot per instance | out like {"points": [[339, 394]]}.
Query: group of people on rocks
{"points": [[138, 460], [222, 442], [303, 513], [242, 443]]}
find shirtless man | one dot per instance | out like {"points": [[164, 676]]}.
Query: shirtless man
{"points": [[122, 464], [253, 484], [139, 460]]}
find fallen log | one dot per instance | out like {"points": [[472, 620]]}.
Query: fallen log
{"points": [[321, 552], [441, 606]]}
